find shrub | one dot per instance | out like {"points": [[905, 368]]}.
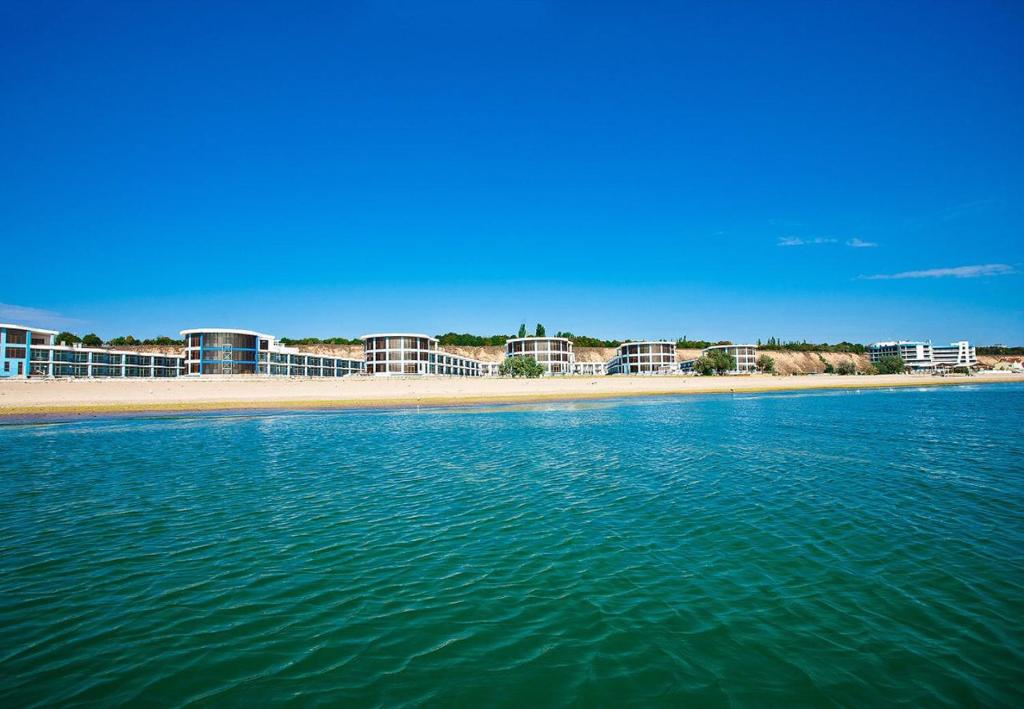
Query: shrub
{"points": [[890, 365], [766, 364], [846, 368], [520, 366], [717, 362]]}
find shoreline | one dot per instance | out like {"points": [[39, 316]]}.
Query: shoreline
{"points": [[192, 396]]}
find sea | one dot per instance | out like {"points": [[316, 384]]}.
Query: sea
{"points": [[850, 548]]}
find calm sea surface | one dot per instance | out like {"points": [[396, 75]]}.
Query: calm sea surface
{"points": [[849, 548]]}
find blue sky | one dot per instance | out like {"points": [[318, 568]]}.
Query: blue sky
{"points": [[716, 170]]}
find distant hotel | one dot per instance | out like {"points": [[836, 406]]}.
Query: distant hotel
{"points": [[923, 355], [744, 358], [32, 352], [647, 357], [220, 351], [397, 353]]}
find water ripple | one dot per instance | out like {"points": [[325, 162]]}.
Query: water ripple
{"points": [[815, 548]]}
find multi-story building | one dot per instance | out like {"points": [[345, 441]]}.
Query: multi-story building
{"points": [[33, 352], [915, 355], [919, 355], [956, 354], [744, 358], [554, 354], [222, 351], [647, 357], [403, 353], [16, 343], [590, 369]]}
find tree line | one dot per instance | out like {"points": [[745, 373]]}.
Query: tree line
{"points": [[465, 339]]}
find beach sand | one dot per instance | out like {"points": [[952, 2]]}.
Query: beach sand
{"points": [[40, 396]]}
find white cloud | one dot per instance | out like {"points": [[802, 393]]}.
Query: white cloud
{"points": [[860, 243], [23, 315], [797, 241], [988, 269]]}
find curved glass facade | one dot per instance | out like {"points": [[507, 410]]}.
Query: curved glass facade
{"points": [[231, 352], [650, 357], [553, 353], [413, 354], [223, 352]]}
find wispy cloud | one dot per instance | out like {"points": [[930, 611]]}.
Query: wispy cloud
{"points": [[861, 244], [23, 315], [797, 241], [988, 269]]}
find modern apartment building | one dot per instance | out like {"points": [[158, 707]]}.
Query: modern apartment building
{"points": [[647, 357], [744, 357], [33, 352], [403, 353], [956, 354], [554, 354], [920, 355], [223, 351], [915, 354]]}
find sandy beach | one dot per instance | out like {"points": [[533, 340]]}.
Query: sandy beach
{"points": [[30, 397]]}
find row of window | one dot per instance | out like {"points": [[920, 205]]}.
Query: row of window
{"points": [[399, 343], [84, 357], [61, 369]]}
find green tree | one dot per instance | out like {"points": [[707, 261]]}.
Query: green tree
{"points": [[766, 364], [890, 365], [715, 362], [124, 341], [540, 330], [520, 366], [68, 337], [164, 341], [92, 340], [846, 368], [522, 330]]}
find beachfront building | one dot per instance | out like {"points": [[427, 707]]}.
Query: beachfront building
{"points": [[922, 356], [16, 343], [647, 357], [915, 354], [223, 351], [490, 369], [744, 358], [34, 352], [554, 354], [590, 369], [955, 355], [403, 353]]}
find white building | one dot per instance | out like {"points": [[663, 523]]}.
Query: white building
{"points": [[554, 354], [33, 352], [590, 369], [647, 357], [744, 358], [226, 351], [915, 354], [956, 354], [405, 353]]}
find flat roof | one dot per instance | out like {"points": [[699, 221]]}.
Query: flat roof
{"points": [[233, 331], [648, 342], [397, 334], [722, 347], [894, 343], [534, 337], [27, 327]]}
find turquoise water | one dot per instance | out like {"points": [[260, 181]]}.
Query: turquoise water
{"points": [[850, 548]]}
